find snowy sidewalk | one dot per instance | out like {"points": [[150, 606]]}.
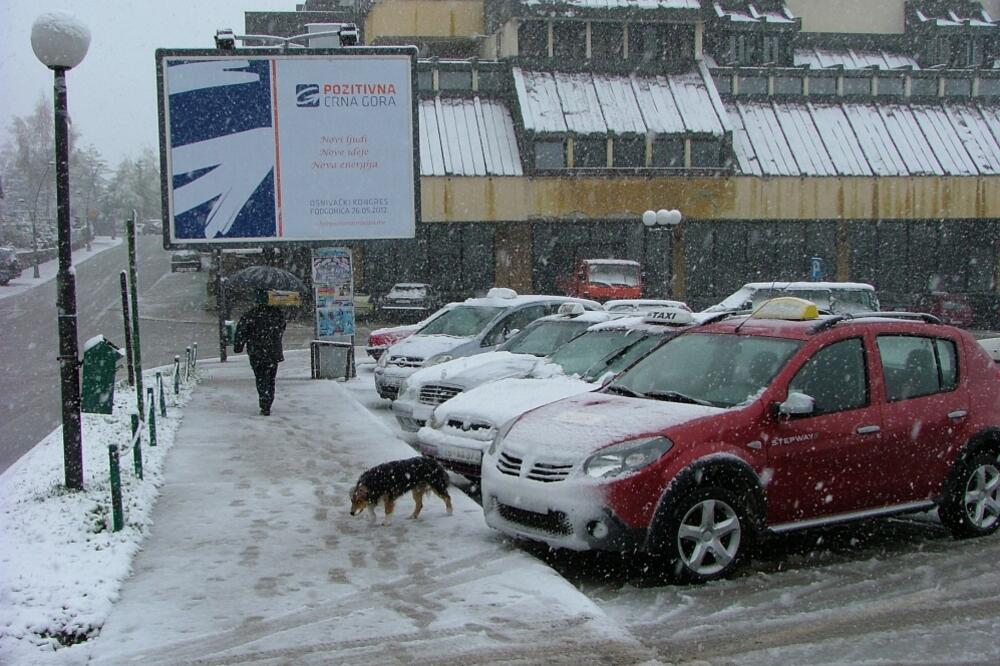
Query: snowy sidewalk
{"points": [[253, 557]]}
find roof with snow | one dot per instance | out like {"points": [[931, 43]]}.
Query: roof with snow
{"points": [[617, 4], [747, 14], [590, 103], [467, 137], [859, 139], [820, 58]]}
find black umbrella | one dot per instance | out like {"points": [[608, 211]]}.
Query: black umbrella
{"points": [[263, 278]]}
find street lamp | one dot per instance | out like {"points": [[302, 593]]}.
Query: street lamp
{"points": [[60, 41], [672, 220]]}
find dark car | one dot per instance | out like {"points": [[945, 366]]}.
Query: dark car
{"points": [[413, 300], [183, 260], [953, 309], [10, 266]]}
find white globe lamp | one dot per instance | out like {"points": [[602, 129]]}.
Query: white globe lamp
{"points": [[59, 40]]}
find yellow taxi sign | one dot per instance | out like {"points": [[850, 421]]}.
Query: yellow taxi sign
{"points": [[788, 308], [283, 298]]}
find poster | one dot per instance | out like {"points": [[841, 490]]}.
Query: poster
{"points": [[333, 284]]}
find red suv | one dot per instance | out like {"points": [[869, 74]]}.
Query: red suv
{"points": [[779, 421]]}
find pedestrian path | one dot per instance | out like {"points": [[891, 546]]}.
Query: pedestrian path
{"points": [[253, 556]]}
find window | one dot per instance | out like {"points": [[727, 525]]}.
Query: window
{"points": [[569, 40], [550, 154], [454, 80], [958, 87], [924, 87], [753, 85], [425, 79], [894, 85], [606, 41], [491, 81], [724, 84], [590, 153], [835, 378], [644, 42], [916, 366], [989, 86], [822, 85], [515, 321], [772, 51], [857, 86], [533, 39], [787, 85], [743, 49], [629, 153], [706, 153], [668, 153]]}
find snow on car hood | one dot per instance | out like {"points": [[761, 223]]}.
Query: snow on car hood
{"points": [[469, 371], [500, 401], [577, 426], [425, 346]]}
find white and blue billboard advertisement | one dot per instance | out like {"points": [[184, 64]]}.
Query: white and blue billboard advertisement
{"points": [[308, 147]]}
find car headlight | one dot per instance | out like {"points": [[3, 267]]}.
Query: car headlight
{"points": [[501, 433], [440, 358], [626, 457]]}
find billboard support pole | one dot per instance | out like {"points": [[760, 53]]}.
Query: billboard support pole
{"points": [[220, 305]]}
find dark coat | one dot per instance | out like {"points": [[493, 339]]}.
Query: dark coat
{"points": [[260, 330]]}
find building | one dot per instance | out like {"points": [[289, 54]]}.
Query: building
{"points": [[862, 132]]}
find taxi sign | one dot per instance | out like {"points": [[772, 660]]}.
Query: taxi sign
{"points": [[571, 309], [788, 308], [669, 317], [283, 298]]}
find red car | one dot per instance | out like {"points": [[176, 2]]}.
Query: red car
{"points": [[604, 280], [781, 421], [950, 308]]}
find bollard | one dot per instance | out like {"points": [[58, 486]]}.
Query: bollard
{"points": [[194, 361], [187, 366], [117, 514], [163, 398], [152, 417], [136, 446], [177, 374]]}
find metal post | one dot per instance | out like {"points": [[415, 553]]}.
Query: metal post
{"points": [[136, 445], [117, 514], [152, 416], [163, 397], [128, 329], [187, 364], [133, 275], [34, 245], [69, 363], [220, 305], [177, 374]]}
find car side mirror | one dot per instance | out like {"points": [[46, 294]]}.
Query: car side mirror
{"points": [[507, 335], [797, 404]]}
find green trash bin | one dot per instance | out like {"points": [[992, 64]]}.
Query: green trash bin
{"points": [[100, 363], [230, 330]]}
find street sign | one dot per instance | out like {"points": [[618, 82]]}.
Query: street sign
{"points": [[307, 146], [816, 268]]}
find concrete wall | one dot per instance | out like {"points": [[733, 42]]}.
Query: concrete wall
{"points": [[857, 16], [424, 18]]}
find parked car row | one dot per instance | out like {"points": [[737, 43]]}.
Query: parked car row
{"points": [[686, 437], [10, 265]]}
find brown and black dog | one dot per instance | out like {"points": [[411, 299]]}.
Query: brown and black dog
{"points": [[385, 483]]}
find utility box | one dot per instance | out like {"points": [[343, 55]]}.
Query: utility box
{"points": [[100, 364], [229, 329], [331, 360]]}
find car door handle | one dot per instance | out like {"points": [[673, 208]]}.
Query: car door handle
{"points": [[868, 430], [957, 414]]}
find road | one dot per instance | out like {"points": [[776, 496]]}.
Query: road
{"points": [[172, 316]]}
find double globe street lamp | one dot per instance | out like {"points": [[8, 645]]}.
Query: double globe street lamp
{"points": [[60, 41]]}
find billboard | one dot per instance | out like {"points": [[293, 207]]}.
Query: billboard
{"points": [[307, 146]]}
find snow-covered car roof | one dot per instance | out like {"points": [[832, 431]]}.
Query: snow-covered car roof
{"points": [[746, 292], [642, 304], [506, 298], [613, 262]]}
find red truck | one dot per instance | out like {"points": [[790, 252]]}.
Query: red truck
{"points": [[604, 279]]}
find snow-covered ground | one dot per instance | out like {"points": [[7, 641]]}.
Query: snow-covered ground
{"points": [[249, 555]]}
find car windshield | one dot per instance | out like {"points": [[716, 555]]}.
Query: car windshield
{"points": [[627, 274], [723, 370], [614, 363], [577, 356], [464, 321], [408, 290], [854, 300], [544, 337]]}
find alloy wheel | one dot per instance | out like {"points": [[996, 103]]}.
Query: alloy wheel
{"points": [[708, 539]]}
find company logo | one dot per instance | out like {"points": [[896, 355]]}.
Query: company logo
{"points": [[307, 94]]}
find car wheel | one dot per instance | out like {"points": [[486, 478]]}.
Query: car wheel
{"points": [[971, 506], [708, 534]]}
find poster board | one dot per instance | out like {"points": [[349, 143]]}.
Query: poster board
{"points": [[305, 146], [333, 287]]}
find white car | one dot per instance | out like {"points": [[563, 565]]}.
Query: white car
{"points": [[474, 326], [460, 429], [835, 297], [428, 387]]}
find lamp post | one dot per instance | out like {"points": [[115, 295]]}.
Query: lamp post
{"points": [[60, 41], [671, 219]]}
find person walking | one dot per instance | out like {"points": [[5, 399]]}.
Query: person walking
{"points": [[259, 330]]}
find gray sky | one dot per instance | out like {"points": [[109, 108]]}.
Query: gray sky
{"points": [[112, 93]]}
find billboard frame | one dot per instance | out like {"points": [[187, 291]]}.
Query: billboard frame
{"points": [[267, 52]]}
